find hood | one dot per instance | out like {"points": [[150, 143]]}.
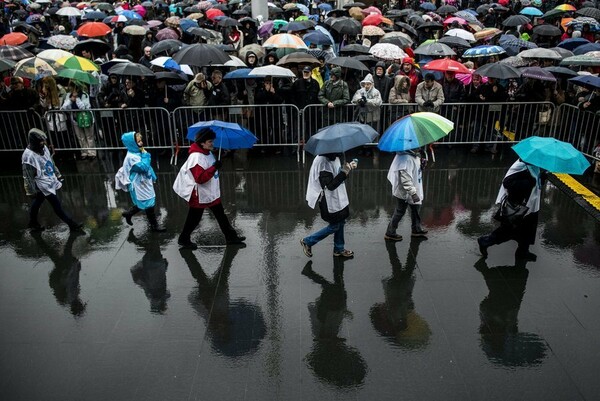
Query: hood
{"points": [[272, 54], [368, 78], [250, 54], [36, 137], [398, 79], [128, 140], [195, 148]]}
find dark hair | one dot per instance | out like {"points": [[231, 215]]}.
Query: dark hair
{"points": [[204, 135], [429, 77]]}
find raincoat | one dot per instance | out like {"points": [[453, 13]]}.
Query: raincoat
{"points": [[406, 177], [136, 176], [373, 97]]}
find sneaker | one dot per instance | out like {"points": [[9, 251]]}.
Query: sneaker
{"points": [[127, 217], [525, 255], [482, 247], [187, 244], [419, 233], [235, 240], [346, 253], [393, 237], [306, 249]]}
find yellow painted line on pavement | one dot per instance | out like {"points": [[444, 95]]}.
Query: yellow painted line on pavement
{"points": [[579, 189]]}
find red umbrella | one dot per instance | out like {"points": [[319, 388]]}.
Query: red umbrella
{"points": [[214, 13], [93, 29], [13, 39], [372, 19], [446, 65]]}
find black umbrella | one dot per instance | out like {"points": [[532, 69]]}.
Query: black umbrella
{"points": [[589, 12], [95, 46], [455, 41], [228, 22], [355, 4], [416, 19], [221, 7], [447, 9], [346, 25], [516, 20], [6, 65], [364, 58], [498, 71], [172, 78], [26, 27], [561, 71], [248, 19], [354, 48], [434, 49], [168, 45], [138, 22], [547, 30], [14, 53], [431, 25], [201, 55], [407, 28], [94, 15], [348, 62], [483, 9], [295, 26], [399, 41], [240, 12], [201, 32], [131, 69]]}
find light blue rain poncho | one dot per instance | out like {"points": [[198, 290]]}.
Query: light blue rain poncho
{"points": [[136, 176]]}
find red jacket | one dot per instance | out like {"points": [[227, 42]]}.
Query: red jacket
{"points": [[201, 176]]}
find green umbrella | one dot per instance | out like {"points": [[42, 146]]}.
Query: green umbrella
{"points": [[78, 75], [415, 130]]}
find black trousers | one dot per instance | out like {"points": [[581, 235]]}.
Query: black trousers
{"points": [[195, 215], [524, 233], [415, 217], [54, 202]]}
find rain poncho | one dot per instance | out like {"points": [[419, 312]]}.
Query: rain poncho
{"points": [[136, 176], [405, 175], [45, 178], [533, 202], [336, 199]]}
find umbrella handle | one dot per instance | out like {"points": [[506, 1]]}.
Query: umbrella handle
{"points": [[219, 157]]}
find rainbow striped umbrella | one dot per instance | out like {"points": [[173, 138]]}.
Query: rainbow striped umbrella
{"points": [[415, 130], [565, 7], [285, 41], [78, 63]]}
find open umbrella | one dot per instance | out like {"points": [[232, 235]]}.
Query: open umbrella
{"points": [[65, 42], [513, 45], [531, 11], [483, 51], [13, 39], [68, 12], [348, 62], [547, 30], [561, 71], [498, 71], [446, 65], [447, 9], [271, 71], [415, 130], [298, 58], [78, 63], [168, 46], [6, 65], [346, 25], [396, 40], [167, 33], [78, 75], [551, 155], [387, 51], [487, 33], [240, 73], [14, 53], [434, 49], [454, 41], [516, 20], [540, 53], [131, 69], [588, 81], [355, 48], [590, 47], [33, 68], [229, 135], [585, 60], [53, 54], [134, 30], [285, 41], [318, 38], [94, 29], [589, 12], [339, 138], [201, 55], [461, 33], [166, 62], [95, 46], [538, 73], [254, 48], [573, 43]]}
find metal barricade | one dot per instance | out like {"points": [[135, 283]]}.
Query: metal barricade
{"points": [[107, 126], [14, 127], [579, 128]]}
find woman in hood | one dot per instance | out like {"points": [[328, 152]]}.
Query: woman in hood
{"points": [[137, 177], [251, 60], [369, 101], [400, 92], [198, 183]]}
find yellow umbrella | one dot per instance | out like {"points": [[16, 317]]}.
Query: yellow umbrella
{"points": [[78, 63]]}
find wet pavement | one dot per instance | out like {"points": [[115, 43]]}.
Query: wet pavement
{"points": [[122, 314]]}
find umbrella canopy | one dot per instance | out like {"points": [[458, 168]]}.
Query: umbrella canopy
{"points": [[271, 71], [167, 33], [498, 71], [589, 12], [590, 47], [396, 39], [514, 61], [318, 38], [585, 60], [131, 69], [13, 39], [454, 41], [573, 43], [387, 51], [6, 65], [346, 25], [513, 45], [14, 53], [33, 68], [172, 78], [134, 30], [547, 30], [166, 62], [65, 42], [588, 81], [240, 73], [561, 71], [168, 46], [458, 20], [285, 41], [201, 55], [298, 58], [434, 49], [78, 75], [348, 62], [531, 11], [339, 138], [565, 7], [537, 73], [94, 29], [540, 53], [415, 130], [229, 135], [53, 54], [254, 48], [68, 12], [406, 28], [552, 155], [95, 46], [484, 51], [78, 63], [461, 33], [371, 30], [354, 48], [447, 9], [516, 20], [487, 33], [446, 65], [564, 53]]}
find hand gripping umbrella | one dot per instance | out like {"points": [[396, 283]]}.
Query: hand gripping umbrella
{"points": [[229, 135]]}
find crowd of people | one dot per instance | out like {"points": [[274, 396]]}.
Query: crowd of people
{"points": [[389, 41]]}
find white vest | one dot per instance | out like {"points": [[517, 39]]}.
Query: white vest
{"points": [[142, 184], [412, 166], [336, 199], [45, 179], [185, 184]]}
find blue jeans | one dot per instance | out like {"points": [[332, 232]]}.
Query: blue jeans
{"points": [[337, 229]]}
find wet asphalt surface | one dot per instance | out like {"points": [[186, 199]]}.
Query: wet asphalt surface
{"points": [[121, 313]]}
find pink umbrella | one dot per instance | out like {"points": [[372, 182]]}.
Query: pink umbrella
{"points": [[450, 20], [153, 23], [140, 10], [371, 10], [167, 33], [467, 78]]}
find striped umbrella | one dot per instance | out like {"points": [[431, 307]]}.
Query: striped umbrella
{"points": [[285, 41], [33, 68], [484, 51], [414, 131], [565, 7], [14, 53], [78, 75], [78, 63]]}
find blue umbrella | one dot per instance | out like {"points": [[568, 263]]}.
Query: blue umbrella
{"points": [[339, 138], [514, 46], [552, 155], [484, 51], [240, 73], [534, 12], [94, 15], [415, 130], [318, 38], [428, 6], [573, 43], [590, 47], [325, 7], [588, 81], [229, 135], [129, 14], [186, 24], [303, 9]]}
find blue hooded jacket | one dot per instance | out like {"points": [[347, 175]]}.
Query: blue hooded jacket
{"points": [[144, 166]]}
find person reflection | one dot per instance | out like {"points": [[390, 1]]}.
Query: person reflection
{"points": [[396, 319], [501, 340], [64, 278], [235, 328], [330, 358], [150, 273]]}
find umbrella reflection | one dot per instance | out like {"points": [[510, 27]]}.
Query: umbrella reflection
{"points": [[235, 328], [150, 273], [501, 339], [64, 278], [396, 318], [331, 359]]}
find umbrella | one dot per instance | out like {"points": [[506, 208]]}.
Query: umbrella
{"points": [[20, 25], [589, 12], [394, 38], [434, 49], [229, 135], [129, 14], [214, 13], [458, 20], [371, 30], [94, 15], [447, 9], [95, 46], [487, 33], [318, 38], [514, 61], [115, 18], [134, 30], [167, 33], [201, 55], [240, 73], [532, 11], [387, 51], [296, 26], [430, 25], [6, 65], [415, 130], [461, 33], [590, 47], [78, 75], [561, 71], [584, 60], [587, 81], [68, 12], [201, 32], [14, 53], [541, 53], [13, 39], [564, 53], [547, 30], [446, 65], [513, 45], [372, 19], [348, 62], [77, 63], [467, 15], [228, 22], [573, 43], [339, 138], [298, 58], [234, 62], [409, 29], [565, 7], [537, 73], [551, 155], [484, 51], [166, 62], [33, 68], [171, 77], [285, 41], [94, 29], [427, 6], [270, 71], [346, 25], [454, 41], [131, 69], [168, 46], [354, 48], [516, 20], [498, 71], [254, 48]]}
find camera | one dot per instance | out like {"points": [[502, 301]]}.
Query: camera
{"points": [[362, 101]]}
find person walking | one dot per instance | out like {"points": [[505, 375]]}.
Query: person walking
{"points": [[137, 177], [326, 185], [42, 180], [522, 185], [406, 177], [198, 183]]}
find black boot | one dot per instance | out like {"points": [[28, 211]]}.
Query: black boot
{"points": [[128, 214], [524, 254], [153, 222], [235, 238], [186, 243]]}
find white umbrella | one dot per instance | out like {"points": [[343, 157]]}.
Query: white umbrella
{"points": [[387, 51], [187, 70], [235, 62], [461, 33], [69, 12], [53, 54], [541, 53], [134, 30], [271, 71], [65, 42]]}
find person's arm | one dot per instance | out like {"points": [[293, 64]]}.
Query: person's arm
{"points": [[345, 96], [327, 180], [407, 183], [202, 175], [419, 95], [321, 96], [29, 173], [143, 166]]}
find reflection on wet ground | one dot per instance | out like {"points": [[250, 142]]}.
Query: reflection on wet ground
{"points": [[122, 313]]}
